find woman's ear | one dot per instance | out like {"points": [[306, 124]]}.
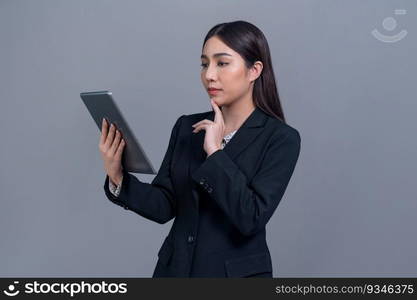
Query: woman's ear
{"points": [[256, 70]]}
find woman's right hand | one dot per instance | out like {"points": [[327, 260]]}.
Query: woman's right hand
{"points": [[111, 147]]}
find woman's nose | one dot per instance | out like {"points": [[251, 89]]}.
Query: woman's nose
{"points": [[211, 73]]}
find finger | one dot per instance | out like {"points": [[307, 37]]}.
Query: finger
{"points": [[196, 124], [116, 142], [119, 150], [205, 124], [218, 117], [200, 127], [104, 128], [110, 136], [201, 122]]}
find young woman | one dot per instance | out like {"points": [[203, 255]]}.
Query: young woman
{"points": [[224, 171]]}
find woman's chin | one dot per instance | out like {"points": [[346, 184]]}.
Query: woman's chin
{"points": [[218, 103]]}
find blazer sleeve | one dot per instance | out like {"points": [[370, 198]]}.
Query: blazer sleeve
{"points": [[250, 205], [155, 201]]}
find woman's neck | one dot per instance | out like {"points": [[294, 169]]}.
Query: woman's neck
{"points": [[235, 114]]}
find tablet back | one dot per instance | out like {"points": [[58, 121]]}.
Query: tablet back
{"points": [[101, 105]]}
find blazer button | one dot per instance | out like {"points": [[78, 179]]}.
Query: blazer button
{"points": [[190, 238]]}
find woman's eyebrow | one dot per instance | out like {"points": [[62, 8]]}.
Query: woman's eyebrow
{"points": [[216, 54]]}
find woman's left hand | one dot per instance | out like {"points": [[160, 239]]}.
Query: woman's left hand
{"points": [[214, 130]]}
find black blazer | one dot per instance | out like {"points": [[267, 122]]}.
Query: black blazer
{"points": [[220, 203]]}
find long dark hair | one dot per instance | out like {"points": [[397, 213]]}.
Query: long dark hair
{"points": [[249, 41]]}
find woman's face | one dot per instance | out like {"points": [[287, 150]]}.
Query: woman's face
{"points": [[224, 69]]}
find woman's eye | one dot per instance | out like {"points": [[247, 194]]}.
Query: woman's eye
{"points": [[220, 63]]}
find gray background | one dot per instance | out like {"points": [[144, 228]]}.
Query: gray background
{"points": [[350, 207]]}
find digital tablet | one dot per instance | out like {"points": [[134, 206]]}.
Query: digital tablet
{"points": [[101, 105]]}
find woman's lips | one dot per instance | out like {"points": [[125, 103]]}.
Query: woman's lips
{"points": [[213, 91]]}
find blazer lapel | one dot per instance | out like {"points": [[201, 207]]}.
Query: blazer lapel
{"points": [[246, 133]]}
